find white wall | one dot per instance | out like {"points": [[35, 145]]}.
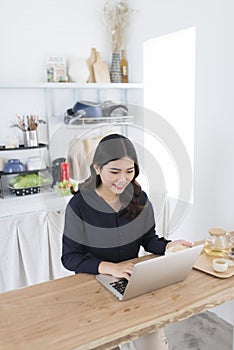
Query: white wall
{"points": [[32, 30]]}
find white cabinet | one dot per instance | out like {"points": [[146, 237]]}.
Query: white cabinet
{"points": [[30, 249]]}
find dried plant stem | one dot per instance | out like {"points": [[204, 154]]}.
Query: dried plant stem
{"points": [[116, 16]]}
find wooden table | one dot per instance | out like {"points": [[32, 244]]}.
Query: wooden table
{"points": [[77, 312]]}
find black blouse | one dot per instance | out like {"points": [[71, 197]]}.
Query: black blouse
{"points": [[94, 232]]}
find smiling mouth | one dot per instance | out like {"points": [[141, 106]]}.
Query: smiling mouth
{"points": [[120, 188]]}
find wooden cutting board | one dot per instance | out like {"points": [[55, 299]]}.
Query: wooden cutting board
{"points": [[90, 63], [101, 70]]}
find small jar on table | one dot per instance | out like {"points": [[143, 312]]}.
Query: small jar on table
{"points": [[216, 243]]}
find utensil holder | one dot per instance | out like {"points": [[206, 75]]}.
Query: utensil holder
{"points": [[30, 138]]}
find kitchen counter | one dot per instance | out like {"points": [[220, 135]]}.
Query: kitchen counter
{"points": [[44, 201]]}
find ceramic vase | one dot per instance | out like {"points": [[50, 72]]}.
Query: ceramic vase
{"points": [[115, 71]]}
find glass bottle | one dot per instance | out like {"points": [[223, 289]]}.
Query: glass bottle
{"points": [[216, 243], [65, 176], [124, 67]]}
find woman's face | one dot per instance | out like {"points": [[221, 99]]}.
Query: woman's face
{"points": [[116, 175]]}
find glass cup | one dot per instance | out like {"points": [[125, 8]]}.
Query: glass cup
{"points": [[231, 246]]}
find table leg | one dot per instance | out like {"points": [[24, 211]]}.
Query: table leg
{"points": [[233, 337]]}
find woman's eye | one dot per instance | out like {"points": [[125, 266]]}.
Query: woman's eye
{"points": [[117, 172]]}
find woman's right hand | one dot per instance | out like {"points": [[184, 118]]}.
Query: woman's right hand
{"points": [[120, 270]]}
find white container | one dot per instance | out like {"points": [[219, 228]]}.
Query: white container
{"points": [[30, 138], [35, 163], [2, 163]]}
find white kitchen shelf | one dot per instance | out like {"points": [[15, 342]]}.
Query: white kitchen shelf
{"points": [[123, 90], [74, 87], [102, 120], [45, 200], [82, 86]]}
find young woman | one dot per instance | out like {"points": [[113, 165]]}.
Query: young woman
{"points": [[110, 218]]}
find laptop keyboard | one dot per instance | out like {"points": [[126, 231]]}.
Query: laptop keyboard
{"points": [[120, 285]]}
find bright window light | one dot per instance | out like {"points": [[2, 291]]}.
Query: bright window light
{"points": [[169, 90]]}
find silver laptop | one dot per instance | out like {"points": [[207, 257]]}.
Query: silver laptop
{"points": [[153, 274]]}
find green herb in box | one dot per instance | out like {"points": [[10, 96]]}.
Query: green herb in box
{"points": [[30, 180]]}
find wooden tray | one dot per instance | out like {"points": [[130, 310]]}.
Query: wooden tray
{"points": [[204, 263]]}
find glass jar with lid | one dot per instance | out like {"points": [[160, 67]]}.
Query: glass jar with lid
{"points": [[216, 243]]}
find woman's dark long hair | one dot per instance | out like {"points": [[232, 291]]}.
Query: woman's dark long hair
{"points": [[113, 147]]}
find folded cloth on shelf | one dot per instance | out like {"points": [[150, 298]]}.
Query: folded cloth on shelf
{"points": [[76, 158], [111, 109], [88, 109], [80, 156], [85, 109]]}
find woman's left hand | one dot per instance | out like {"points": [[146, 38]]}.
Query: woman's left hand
{"points": [[179, 242]]}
